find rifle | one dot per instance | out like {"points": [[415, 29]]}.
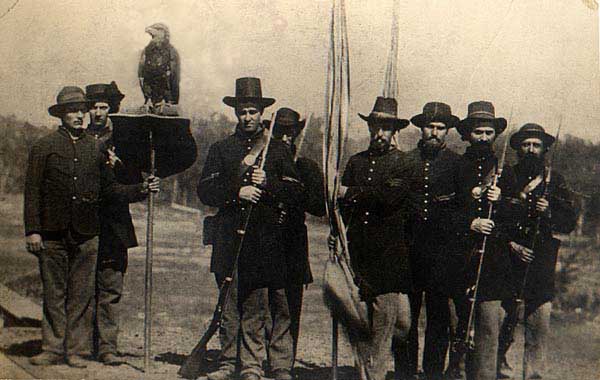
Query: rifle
{"points": [[191, 367], [468, 343]]}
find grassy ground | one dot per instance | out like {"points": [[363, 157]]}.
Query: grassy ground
{"points": [[184, 296]]}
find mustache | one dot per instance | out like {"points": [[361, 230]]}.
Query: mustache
{"points": [[531, 157], [379, 141]]}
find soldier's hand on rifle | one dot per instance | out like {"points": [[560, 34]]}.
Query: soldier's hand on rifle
{"points": [[282, 219], [250, 194], [482, 226], [113, 159], [542, 205], [151, 184], [493, 193], [34, 243], [523, 253], [331, 242], [259, 177], [395, 182]]}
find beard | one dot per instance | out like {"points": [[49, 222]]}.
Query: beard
{"points": [[531, 163], [379, 145], [481, 148], [432, 145]]}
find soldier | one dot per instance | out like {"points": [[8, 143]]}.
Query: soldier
{"points": [[117, 233], [288, 127], [371, 206], [232, 181], [66, 179], [428, 173], [477, 169], [541, 205]]}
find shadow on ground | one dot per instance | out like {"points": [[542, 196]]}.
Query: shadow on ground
{"points": [[28, 349], [209, 364], [314, 372]]}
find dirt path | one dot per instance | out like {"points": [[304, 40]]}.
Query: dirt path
{"points": [[185, 293]]}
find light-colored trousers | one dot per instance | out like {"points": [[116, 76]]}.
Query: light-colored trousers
{"points": [[389, 316], [537, 326]]}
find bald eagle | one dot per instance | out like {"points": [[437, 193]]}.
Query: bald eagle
{"points": [[159, 68]]}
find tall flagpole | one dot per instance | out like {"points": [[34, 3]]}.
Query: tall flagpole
{"points": [[390, 81], [337, 103]]}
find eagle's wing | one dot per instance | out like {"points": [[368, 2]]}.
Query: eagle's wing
{"points": [[146, 90], [175, 66]]}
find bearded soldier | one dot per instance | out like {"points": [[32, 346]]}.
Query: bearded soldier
{"points": [[288, 127], [428, 174], [233, 181], [376, 240], [541, 205], [478, 167]]}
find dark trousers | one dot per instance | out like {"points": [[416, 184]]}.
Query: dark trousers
{"points": [[254, 304], [112, 263], [229, 329], [458, 330], [294, 295], [406, 352], [68, 269], [436, 335]]}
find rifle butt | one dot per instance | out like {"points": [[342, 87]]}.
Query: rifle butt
{"points": [[192, 366]]}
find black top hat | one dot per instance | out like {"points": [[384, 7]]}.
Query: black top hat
{"points": [[478, 111], [68, 96], [435, 111], [101, 92], [248, 90], [530, 130], [385, 110], [287, 121]]}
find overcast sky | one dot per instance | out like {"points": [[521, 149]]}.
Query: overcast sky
{"points": [[540, 57]]}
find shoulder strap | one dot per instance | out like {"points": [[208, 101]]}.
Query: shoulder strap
{"points": [[533, 184], [252, 156]]}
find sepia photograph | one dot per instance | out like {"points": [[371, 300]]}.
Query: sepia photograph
{"points": [[300, 190]]}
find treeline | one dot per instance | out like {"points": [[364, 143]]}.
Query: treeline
{"points": [[577, 159], [15, 139]]}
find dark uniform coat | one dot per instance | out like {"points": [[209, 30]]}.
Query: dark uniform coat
{"points": [[116, 226], [376, 223], [474, 172], [296, 237], [65, 183], [262, 261], [430, 180], [562, 218]]}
